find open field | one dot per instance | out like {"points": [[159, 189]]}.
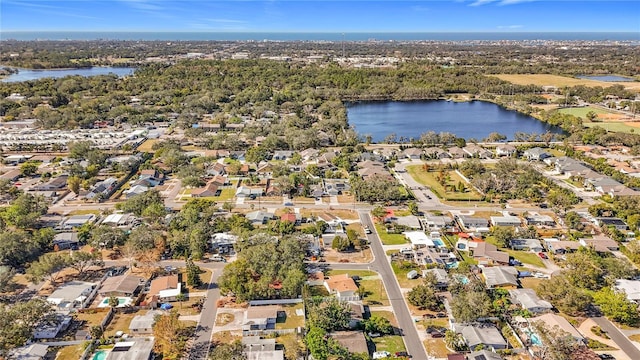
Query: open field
{"points": [[436, 348], [390, 239], [561, 81], [624, 127], [147, 145], [341, 213], [390, 343], [428, 178], [582, 111], [70, 352], [361, 273], [375, 294]]}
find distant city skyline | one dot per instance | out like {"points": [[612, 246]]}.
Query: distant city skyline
{"points": [[321, 16]]}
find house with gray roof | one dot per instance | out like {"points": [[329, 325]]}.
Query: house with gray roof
{"points": [[259, 217], [536, 154], [143, 324], [484, 355], [529, 300], [500, 276], [132, 349], [442, 278], [257, 348], [483, 334]]}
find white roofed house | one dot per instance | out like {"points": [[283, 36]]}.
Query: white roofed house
{"points": [[505, 220], [533, 245], [412, 153], [74, 294], [143, 324], [505, 150], [472, 223], [536, 154], [435, 222], [485, 334], [500, 276], [631, 288]]}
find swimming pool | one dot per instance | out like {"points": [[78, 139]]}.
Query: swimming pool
{"points": [[100, 355], [122, 301], [463, 279], [533, 337], [438, 242]]}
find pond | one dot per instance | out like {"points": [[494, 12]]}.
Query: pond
{"points": [[31, 74], [473, 119], [611, 78]]}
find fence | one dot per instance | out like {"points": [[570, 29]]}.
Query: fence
{"points": [[268, 332], [274, 302]]}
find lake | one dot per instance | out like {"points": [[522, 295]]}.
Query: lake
{"points": [[30, 74], [613, 78], [473, 119]]}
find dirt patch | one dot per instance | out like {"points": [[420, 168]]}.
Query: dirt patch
{"points": [[224, 318], [363, 256], [633, 124]]}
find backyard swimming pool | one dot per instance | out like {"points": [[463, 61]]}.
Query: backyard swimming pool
{"points": [[533, 337], [122, 301], [438, 242], [100, 355]]}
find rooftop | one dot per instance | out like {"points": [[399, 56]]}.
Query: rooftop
{"points": [[341, 283], [133, 349]]}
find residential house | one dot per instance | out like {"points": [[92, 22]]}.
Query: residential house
{"points": [[528, 300], [35, 351], [500, 276], [367, 169], [102, 189], [257, 348], [552, 320], [539, 220], [352, 340], [505, 150], [77, 221], [143, 324], [477, 151], [55, 184], [488, 254], [65, 241], [605, 222], [410, 221], [558, 247], [342, 286], [357, 314], [412, 153], [259, 217], [433, 222], [73, 294], [484, 355], [309, 154], [216, 169], [601, 244], [164, 288], [456, 357], [532, 245], [282, 155], [244, 191], [536, 154], [442, 278], [631, 288], [208, 190], [132, 349], [135, 191], [471, 223], [16, 159], [435, 153], [51, 327], [456, 152], [505, 220], [121, 285], [207, 127], [11, 175], [291, 217], [334, 187], [486, 335], [119, 220], [261, 317]]}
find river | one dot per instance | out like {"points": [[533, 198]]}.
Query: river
{"points": [[31, 74], [473, 119]]}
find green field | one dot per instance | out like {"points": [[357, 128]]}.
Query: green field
{"points": [[429, 179], [390, 343], [390, 239], [582, 111], [613, 126], [525, 257], [361, 273], [375, 294]]}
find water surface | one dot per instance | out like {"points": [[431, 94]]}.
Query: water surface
{"points": [[613, 78], [474, 119], [31, 74]]}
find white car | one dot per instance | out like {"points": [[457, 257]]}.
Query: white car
{"points": [[381, 354]]}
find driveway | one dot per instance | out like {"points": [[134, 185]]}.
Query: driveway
{"points": [[622, 342]]}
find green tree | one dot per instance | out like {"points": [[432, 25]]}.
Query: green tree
{"points": [[25, 211], [317, 343], [565, 296], [28, 168], [469, 306], [256, 154], [113, 301], [168, 333], [413, 208], [180, 298], [139, 203], [379, 212], [455, 341], [96, 332], [73, 183], [616, 307], [503, 234], [423, 296], [18, 320], [329, 314], [7, 283], [193, 274], [82, 260], [47, 267], [17, 248], [378, 324], [233, 351]]}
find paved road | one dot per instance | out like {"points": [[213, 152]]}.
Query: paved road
{"points": [[618, 337], [381, 265]]}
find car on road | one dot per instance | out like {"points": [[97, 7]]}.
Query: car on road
{"points": [[606, 357], [543, 255], [367, 230]]}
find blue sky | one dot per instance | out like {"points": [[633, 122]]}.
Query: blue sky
{"points": [[320, 16]]}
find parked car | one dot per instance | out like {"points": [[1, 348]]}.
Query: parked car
{"points": [[441, 315], [367, 230], [437, 334], [374, 335], [403, 354], [543, 255], [381, 354]]}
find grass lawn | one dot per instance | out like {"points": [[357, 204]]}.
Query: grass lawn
{"points": [[147, 146], [390, 239], [375, 293], [614, 126], [341, 213], [225, 194], [436, 348], [361, 273], [390, 343], [387, 315], [401, 275], [91, 319], [318, 290], [70, 352], [291, 320], [558, 81], [524, 257], [582, 111], [530, 282], [429, 179], [205, 277], [121, 322], [224, 337]]}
